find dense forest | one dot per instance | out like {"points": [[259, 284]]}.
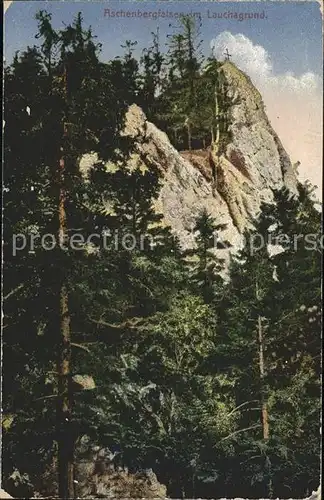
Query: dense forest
{"points": [[210, 379]]}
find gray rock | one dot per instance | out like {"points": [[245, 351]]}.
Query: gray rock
{"points": [[254, 163], [97, 476]]}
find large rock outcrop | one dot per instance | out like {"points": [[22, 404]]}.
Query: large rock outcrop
{"points": [[97, 476], [230, 187]]}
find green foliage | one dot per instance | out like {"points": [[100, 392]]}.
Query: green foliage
{"points": [[283, 290], [152, 62], [206, 266], [173, 349]]}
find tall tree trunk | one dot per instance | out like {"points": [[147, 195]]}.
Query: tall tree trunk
{"points": [[264, 405], [64, 399], [64, 409], [212, 134], [217, 114], [189, 135]]}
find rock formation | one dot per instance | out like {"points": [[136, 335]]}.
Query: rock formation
{"points": [[231, 187], [97, 476]]}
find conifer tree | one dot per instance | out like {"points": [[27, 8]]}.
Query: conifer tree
{"points": [[207, 266], [152, 80], [184, 62], [130, 73], [265, 343], [212, 383], [60, 115], [295, 350]]}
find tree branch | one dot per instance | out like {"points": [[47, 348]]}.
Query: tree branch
{"points": [[239, 431], [80, 346], [131, 323], [15, 290], [47, 397], [240, 406]]}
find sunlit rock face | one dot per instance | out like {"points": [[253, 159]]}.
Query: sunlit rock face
{"points": [[253, 164]]}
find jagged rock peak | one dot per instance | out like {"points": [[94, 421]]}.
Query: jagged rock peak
{"points": [[253, 133]]}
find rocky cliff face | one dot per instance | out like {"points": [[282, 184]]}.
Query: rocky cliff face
{"points": [[230, 187]]}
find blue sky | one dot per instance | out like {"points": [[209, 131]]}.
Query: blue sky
{"points": [[290, 33]]}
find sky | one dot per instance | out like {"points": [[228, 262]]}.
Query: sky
{"points": [[281, 51]]}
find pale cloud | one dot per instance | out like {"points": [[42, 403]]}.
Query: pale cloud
{"points": [[249, 57], [293, 103]]}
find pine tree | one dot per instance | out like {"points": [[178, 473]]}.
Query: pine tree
{"points": [[244, 321], [183, 405], [216, 110], [296, 317], [184, 61], [207, 266], [152, 61], [60, 115], [130, 73], [266, 333]]}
